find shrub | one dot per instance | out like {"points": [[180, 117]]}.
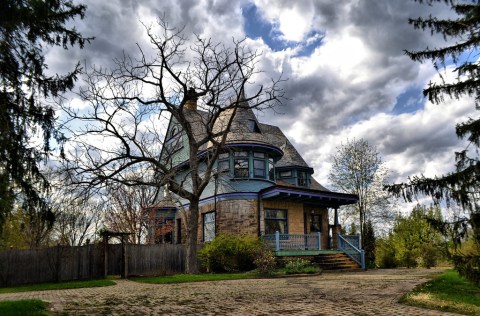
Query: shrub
{"points": [[385, 254], [298, 266], [387, 261], [265, 261], [429, 255], [409, 259], [227, 253]]}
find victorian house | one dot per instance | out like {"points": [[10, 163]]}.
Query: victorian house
{"points": [[262, 186]]}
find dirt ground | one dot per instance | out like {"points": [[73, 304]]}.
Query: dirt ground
{"points": [[373, 292]]}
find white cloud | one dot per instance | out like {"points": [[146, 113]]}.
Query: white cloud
{"points": [[346, 88]]}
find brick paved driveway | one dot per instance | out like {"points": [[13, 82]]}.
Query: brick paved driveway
{"points": [[362, 293]]}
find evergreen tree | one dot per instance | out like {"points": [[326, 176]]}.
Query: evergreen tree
{"points": [[462, 185], [369, 244], [26, 26]]}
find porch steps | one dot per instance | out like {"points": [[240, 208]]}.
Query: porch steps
{"points": [[335, 262]]}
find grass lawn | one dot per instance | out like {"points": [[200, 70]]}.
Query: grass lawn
{"points": [[56, 286], [185, 278], [446, 292], [24, 308]]}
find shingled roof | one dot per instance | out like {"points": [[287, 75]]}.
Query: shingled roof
{"points": [[241, 132], [275, 137]]}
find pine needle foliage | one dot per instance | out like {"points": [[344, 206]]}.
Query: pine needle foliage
{"points": [[462, 185], [26, 28]]}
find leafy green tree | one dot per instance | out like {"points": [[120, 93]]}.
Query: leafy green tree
{"points": [[463, 37], [415, 240], [26, 27], [385, 253]]}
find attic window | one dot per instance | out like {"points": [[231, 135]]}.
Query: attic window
{"points": [[252, 126], [285, 174]]}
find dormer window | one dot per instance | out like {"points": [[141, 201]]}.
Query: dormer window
{"points": [[252, 126], [285, 174], [302, 179]]}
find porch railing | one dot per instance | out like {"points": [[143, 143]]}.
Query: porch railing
{"points": [[354, 240], [293, 242], [358, 255]]}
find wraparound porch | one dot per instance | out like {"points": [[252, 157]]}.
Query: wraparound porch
{"points": [[311, 245]]}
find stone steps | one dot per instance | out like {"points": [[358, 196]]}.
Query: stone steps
{"points": [[335, 262]]}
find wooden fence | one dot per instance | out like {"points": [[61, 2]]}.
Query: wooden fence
{"points": [[155, 259], [63, 263], [53, 264]]}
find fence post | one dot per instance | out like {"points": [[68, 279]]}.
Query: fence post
{"points": [[359, 242], [363, 259], [277, 241], [319, 241], [105, 255]]}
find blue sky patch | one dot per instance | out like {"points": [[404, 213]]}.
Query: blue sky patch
{"points": [[257, 27], [410, 101]]}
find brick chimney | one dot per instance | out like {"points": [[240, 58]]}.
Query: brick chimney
{"points": [[191, 100]]}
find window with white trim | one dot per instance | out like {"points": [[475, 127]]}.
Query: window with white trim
{"points": [[208, 226]]}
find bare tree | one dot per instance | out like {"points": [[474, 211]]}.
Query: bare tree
{"points": [[78, 217], [126, 209], [77, 221], [199, 85], [357, 168]]}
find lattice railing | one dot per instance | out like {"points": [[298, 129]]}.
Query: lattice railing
{"points": [[293, 241]]}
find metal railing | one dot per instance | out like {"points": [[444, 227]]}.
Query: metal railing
{"points": [[358, 255], [293, 241]]}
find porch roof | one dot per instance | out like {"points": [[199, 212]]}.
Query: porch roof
{"points": [[307, 196]]}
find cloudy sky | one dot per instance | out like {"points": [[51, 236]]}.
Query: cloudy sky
{"points": [[348, 76]]}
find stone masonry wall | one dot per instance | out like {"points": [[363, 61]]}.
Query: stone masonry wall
{"points": [[232, 216]]}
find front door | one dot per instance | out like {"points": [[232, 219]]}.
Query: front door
{"points": [[315, 222]]}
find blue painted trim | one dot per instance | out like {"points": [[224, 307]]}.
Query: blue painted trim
{"points": [[227, 196], [275, 192], [252, 145], [253, 179]]}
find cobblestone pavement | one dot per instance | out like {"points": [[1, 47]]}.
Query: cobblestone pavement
{"points": [[372, 292]]}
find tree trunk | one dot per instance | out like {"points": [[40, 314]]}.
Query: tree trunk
{"points": [[191, 262]]}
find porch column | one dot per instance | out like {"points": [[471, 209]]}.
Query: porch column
{"points": [[335, 230]]}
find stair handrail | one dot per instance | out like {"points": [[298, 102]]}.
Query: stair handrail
{"points": [[361, 252]]}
